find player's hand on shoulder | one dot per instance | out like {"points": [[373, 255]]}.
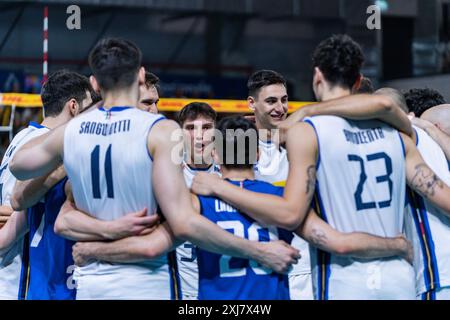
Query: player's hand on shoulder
{"points": [[204, 183], [279, 256], [134, 224]]}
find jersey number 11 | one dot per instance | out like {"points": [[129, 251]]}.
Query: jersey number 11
{"points": [[95, 172]]}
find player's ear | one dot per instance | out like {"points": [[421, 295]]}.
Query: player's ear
{"points": [[141, 75], [73, 107], [318, 77], [251, 103], [318, 80], [94, 84]]}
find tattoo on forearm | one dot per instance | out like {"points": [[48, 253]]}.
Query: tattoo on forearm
{"points": [[425, 181], [311, 181], [318, 238]]}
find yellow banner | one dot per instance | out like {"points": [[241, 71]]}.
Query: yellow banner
{"points": [[238, 106], [24, 100]]}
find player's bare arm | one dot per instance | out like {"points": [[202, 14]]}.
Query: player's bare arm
{"points": [[175, 202], [357, 107], [423, 180], [27, 193], [39, 156], [288, 211], [355, 244], [14, 229], [76, 225], [131, 249]]}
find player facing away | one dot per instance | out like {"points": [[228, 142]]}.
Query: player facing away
{"points": [[358, 171], [198, 120], [419, 101], [433, 121], [149, 93], [120, 159], [44, 271], [428, 226]]}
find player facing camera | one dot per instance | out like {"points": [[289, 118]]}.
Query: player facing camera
{"points": [[197, 119]]}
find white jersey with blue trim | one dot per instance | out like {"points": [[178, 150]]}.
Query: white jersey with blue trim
{"points": [[11, 259], [273, 167], [187, 252], [427, 226], [360, 188], [107, 161], [189, 172]]}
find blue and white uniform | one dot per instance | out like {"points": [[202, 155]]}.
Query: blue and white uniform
{"points": [[14, 261], [227, 278], [187, 252], [50, 255], [273, 167], [108, 164], [429, 229], [360, 188]]}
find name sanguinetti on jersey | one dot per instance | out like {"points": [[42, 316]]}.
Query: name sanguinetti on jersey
{"points": [[105, 129]]}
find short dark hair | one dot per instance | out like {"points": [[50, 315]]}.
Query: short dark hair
{"points": [[366, 86], [115, 63], [96, 97], [231, 133], [420, 100], [60, 87], [263, 78], [195, 109], [340, 59], [152, 79]]}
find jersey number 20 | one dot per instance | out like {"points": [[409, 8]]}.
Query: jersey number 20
{"points": [[253, 235]]}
